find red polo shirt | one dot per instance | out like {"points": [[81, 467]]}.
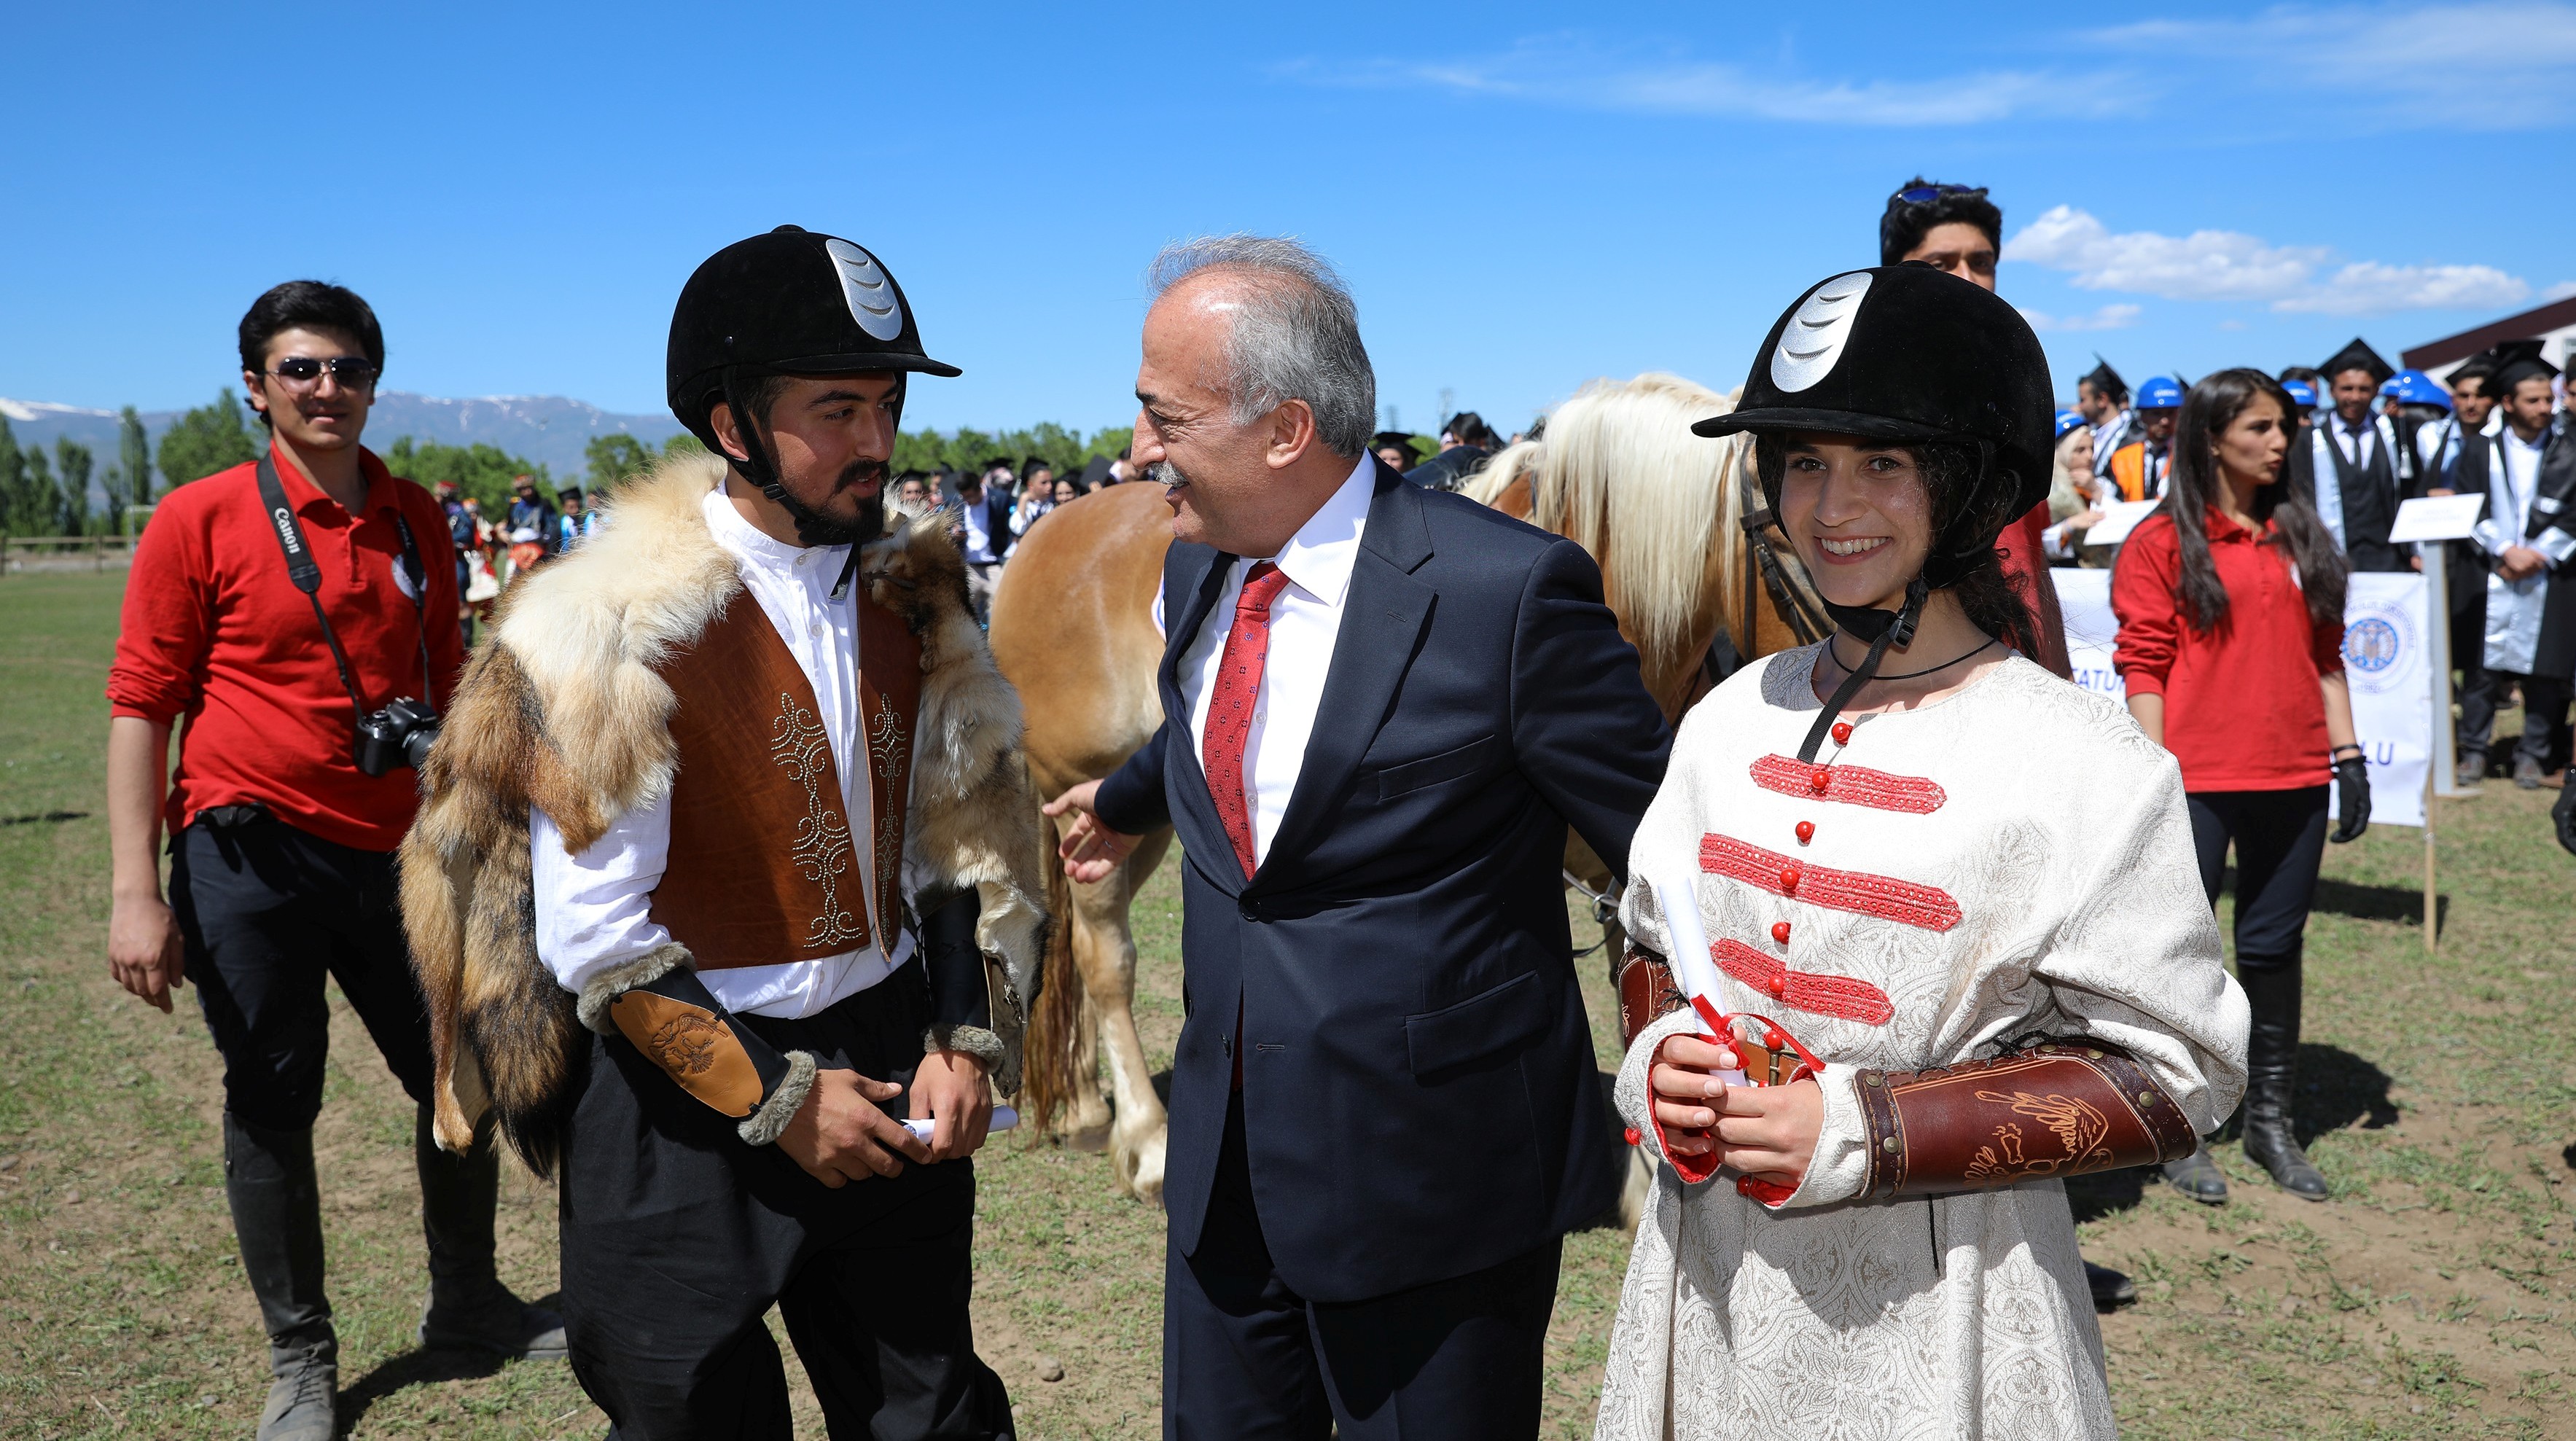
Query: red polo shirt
{"points": [[2243, 709], [215, 631]]}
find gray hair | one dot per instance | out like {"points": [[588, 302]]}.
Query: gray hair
{"points": [[1295, 337]]}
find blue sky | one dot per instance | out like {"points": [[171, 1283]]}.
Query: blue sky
{"points": [[1522, 197]]}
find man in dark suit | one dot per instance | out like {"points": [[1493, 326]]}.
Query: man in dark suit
{"points": [[1384, 704]]}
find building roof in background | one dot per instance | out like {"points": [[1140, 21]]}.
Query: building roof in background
{"points": [[2556, 315]]}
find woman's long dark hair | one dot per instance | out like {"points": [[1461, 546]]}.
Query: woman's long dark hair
{"points": [[1961, 506], [2289, 502]]}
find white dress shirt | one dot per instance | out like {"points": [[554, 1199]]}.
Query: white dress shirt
{"points": [[594, 910], [1305, 619], [2329, 481]]}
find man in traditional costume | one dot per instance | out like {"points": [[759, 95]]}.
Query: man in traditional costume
{"points": [[2141, 467], [2525, 619], [727, 863], [1975, 978], [2364, 466]]}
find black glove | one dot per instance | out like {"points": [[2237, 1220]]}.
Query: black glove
{"points": [[2352, 798], [2564, 815]]}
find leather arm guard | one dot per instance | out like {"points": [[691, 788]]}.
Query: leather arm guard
{"points": [[658, 1003], [2051, 1109], [961, 1001]]}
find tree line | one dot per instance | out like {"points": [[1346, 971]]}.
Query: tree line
{"points": [[47, 492]]}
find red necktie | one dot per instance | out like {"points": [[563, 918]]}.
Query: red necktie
{"points": [[1231, 705]]}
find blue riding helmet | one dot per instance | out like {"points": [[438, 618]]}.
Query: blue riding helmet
{"points": [[2160, 392]]}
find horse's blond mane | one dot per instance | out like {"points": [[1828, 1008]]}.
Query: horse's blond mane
{"points": [[1620, 474], [1499, 473]]}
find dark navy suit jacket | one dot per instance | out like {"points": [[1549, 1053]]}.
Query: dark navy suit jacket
{"points": [[1419, 1092]]}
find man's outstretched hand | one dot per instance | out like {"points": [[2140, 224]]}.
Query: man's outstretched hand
{"points": [[1091, 850]]}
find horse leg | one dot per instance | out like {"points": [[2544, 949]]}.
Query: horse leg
{"points": [[1105, 949]]}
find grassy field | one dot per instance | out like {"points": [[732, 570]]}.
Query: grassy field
{"points": [[2435, 1296]]}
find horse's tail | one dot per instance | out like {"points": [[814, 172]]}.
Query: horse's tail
{"points": [[1055, 1032]]}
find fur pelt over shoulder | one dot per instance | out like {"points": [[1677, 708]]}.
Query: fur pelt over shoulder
{"points": [[564, 710]]}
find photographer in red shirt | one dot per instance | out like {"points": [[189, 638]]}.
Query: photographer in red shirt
{"points": [[296, 611]]}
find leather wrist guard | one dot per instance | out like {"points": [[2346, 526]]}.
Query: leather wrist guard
{"points": [[1646, 993], [665, 1011], [2051, 1109], [961, 1002]]}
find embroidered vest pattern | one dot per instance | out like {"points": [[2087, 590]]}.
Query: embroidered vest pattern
{"points": [[822, 849]]}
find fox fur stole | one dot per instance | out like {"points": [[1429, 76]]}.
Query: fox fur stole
{"points": [[563, 710]]}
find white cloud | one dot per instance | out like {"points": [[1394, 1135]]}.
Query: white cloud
{"points": [[1569, 70], [2478, 66], [2109, 317], [2559, 291], [2229, 265]]}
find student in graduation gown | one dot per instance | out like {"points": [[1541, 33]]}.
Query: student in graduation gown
{"points": [[2102, 398], [2527, 471], [2473, 423], [2363, 465]]}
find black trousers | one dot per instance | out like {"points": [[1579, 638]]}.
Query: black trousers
{"points": [[2544, 714], [1245, 1358], [678, 1237], [2280, 838], [265, 910]]}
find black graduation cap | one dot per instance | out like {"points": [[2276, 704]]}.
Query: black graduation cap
{"points": [[2105, 380], [2513, 362], [2358, 356], [1396, 438], [1094, 472]]}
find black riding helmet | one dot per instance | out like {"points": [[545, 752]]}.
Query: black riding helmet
{"points": [[790, 302], [1908, 353]]}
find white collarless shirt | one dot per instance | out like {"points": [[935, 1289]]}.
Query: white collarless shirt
{"points": [[1305, 620], [594, 910]]}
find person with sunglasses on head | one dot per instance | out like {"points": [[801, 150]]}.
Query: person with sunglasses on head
{"points": [[2230, 601], [297, 612], [1957, 230], [1931, 980]]}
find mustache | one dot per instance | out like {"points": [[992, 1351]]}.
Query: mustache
{"points": [[1164, 473], [859, 470]]}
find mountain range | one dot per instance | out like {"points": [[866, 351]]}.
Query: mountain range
{"points": [[550, 430]]}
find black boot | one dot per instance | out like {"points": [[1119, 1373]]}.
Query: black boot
{"points": [[2271, 1066], [2197, 1176], [277, 1217], [468, 1306]]}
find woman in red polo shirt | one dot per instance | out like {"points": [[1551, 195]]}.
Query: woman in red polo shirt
{"points": [[2230, 602]]}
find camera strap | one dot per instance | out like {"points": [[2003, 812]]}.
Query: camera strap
{"points": [[301, 569]]}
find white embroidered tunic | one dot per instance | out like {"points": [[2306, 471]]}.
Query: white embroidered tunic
{"points": [[2010, 860]]}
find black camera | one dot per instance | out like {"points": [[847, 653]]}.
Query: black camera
{"points": [[397, 736]]}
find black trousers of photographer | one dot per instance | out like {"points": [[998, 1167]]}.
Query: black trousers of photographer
{"points": [[266, 911], [678, 1237]]}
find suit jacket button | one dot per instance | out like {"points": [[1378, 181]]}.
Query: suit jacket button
{"points": [[1248, 910], [1226, 1045]]}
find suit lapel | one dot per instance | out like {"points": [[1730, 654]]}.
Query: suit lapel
{"points": [[1202, 831], [1383, 616]]}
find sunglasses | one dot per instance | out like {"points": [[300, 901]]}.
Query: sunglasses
{"points": [[303, 372], [1925, 194]]}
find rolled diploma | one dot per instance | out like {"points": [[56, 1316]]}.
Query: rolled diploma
{"points": [[1004, 1118], [1693, 968]]}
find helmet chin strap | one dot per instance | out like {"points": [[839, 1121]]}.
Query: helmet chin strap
{"points": [[755, 463], [1884, 629]]}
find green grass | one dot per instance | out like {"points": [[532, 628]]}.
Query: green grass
{"points": [[2436, 1296]]}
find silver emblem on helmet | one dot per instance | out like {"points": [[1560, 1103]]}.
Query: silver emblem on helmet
{"points": [[864, 285], [1814, 337]]}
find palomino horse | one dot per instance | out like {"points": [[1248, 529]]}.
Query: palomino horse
{"points": [[1662, 511]]}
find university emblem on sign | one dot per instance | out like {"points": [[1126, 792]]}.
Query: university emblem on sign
{"points": [[2370, 646]]}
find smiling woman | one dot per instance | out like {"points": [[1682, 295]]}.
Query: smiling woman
{"points": [[1860, 859]]}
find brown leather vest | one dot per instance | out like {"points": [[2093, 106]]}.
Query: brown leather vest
{"points": [[763, 868]]}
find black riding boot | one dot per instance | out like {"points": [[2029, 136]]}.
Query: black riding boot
{"points": [[2271, 1065], [468, 1306], [277, 1218]]}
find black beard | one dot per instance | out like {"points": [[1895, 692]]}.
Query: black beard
{"points": [[813, 527]]}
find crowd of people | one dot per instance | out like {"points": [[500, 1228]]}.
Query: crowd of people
{"points": [[672, 917]]}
